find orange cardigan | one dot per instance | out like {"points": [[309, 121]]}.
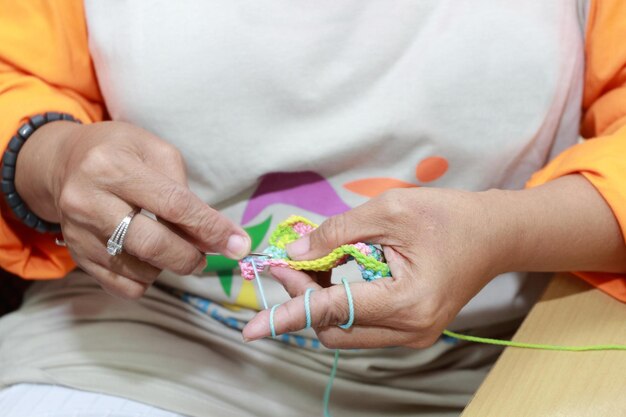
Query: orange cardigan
{"points": [[45, 66], [601, 160]]}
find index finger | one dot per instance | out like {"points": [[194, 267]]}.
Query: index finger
{"points": [[175, 203]]}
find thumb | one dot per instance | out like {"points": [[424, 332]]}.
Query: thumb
{"points": [[338, 230]]}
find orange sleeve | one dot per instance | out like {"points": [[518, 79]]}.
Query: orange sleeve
{"points": [[44, 66], [601, 160]]}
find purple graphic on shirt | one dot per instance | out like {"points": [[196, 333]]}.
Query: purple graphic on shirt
{"points": [[305, 189]]}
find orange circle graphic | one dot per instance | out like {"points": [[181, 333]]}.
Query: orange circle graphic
{"points": [[431, 168]]}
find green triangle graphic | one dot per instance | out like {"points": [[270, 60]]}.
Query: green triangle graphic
{"points": [[226, 279], [221, 263], [257, 232]]}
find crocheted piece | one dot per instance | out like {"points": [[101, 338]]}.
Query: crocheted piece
{"points": [[369, 258]]}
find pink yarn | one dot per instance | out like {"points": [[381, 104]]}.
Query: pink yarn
{"points": [[302, 228], [363, 248], [247, 270]]}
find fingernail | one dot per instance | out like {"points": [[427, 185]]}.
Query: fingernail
{"points": [[238, 246], [389, 253], [299, 247], [252, 331]]}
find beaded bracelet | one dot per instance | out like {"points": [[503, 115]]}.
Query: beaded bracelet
{"points": [[9, 161]]}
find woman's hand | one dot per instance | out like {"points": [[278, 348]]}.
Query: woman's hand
{"points": [[88, 177], [442, 247]]}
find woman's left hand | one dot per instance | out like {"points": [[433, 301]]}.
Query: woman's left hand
{"points": [[442, 247]]}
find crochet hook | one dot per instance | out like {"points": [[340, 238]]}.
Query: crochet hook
{"points": [[250, 254]]}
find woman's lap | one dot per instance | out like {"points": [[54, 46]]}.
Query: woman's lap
{"points": [[162, 352]]}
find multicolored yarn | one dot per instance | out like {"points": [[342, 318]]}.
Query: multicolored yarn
{"points": [[369, 258]]}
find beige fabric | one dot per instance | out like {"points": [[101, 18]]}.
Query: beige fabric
{"points": [[161, 351], [45, 400]]}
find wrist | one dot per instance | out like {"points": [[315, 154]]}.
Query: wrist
{"points": [[505, 229], [563, 225], [40, 164]]}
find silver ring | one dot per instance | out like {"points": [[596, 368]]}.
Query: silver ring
{"points": [[115, 244], [60, 242]]}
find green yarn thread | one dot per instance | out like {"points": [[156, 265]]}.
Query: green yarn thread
{"points": [[523, 345]]}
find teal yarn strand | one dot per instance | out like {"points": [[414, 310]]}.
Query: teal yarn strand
{"points": [[272, 328], [262, 293], [333, 371], [307, 313], [350, 321], [307, 307], [329, 385]]}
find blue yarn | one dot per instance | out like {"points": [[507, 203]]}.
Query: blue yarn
{"points": [[272, 328], [307, 307], [350, 305]]}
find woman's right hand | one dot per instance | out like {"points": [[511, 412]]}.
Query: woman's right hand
{"points": [[88, 177]]}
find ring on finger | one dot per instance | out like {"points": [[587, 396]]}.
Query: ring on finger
{"points": [[115, 244]]}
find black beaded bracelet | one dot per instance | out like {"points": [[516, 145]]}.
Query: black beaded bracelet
{"points": [[9, 161]]}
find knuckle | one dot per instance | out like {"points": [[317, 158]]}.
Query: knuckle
{"points": [[416, 317], [168, 155], [424, 320], [187, 263], [97, 161], [292, 311], [210, 228], [178, 158], [206, 227], [149, 246], [176, 201], [335, 310], [71, 201], [172, 154], [392, 204]]}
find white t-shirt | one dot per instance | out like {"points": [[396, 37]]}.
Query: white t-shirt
{"points": [[288, 107]]}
